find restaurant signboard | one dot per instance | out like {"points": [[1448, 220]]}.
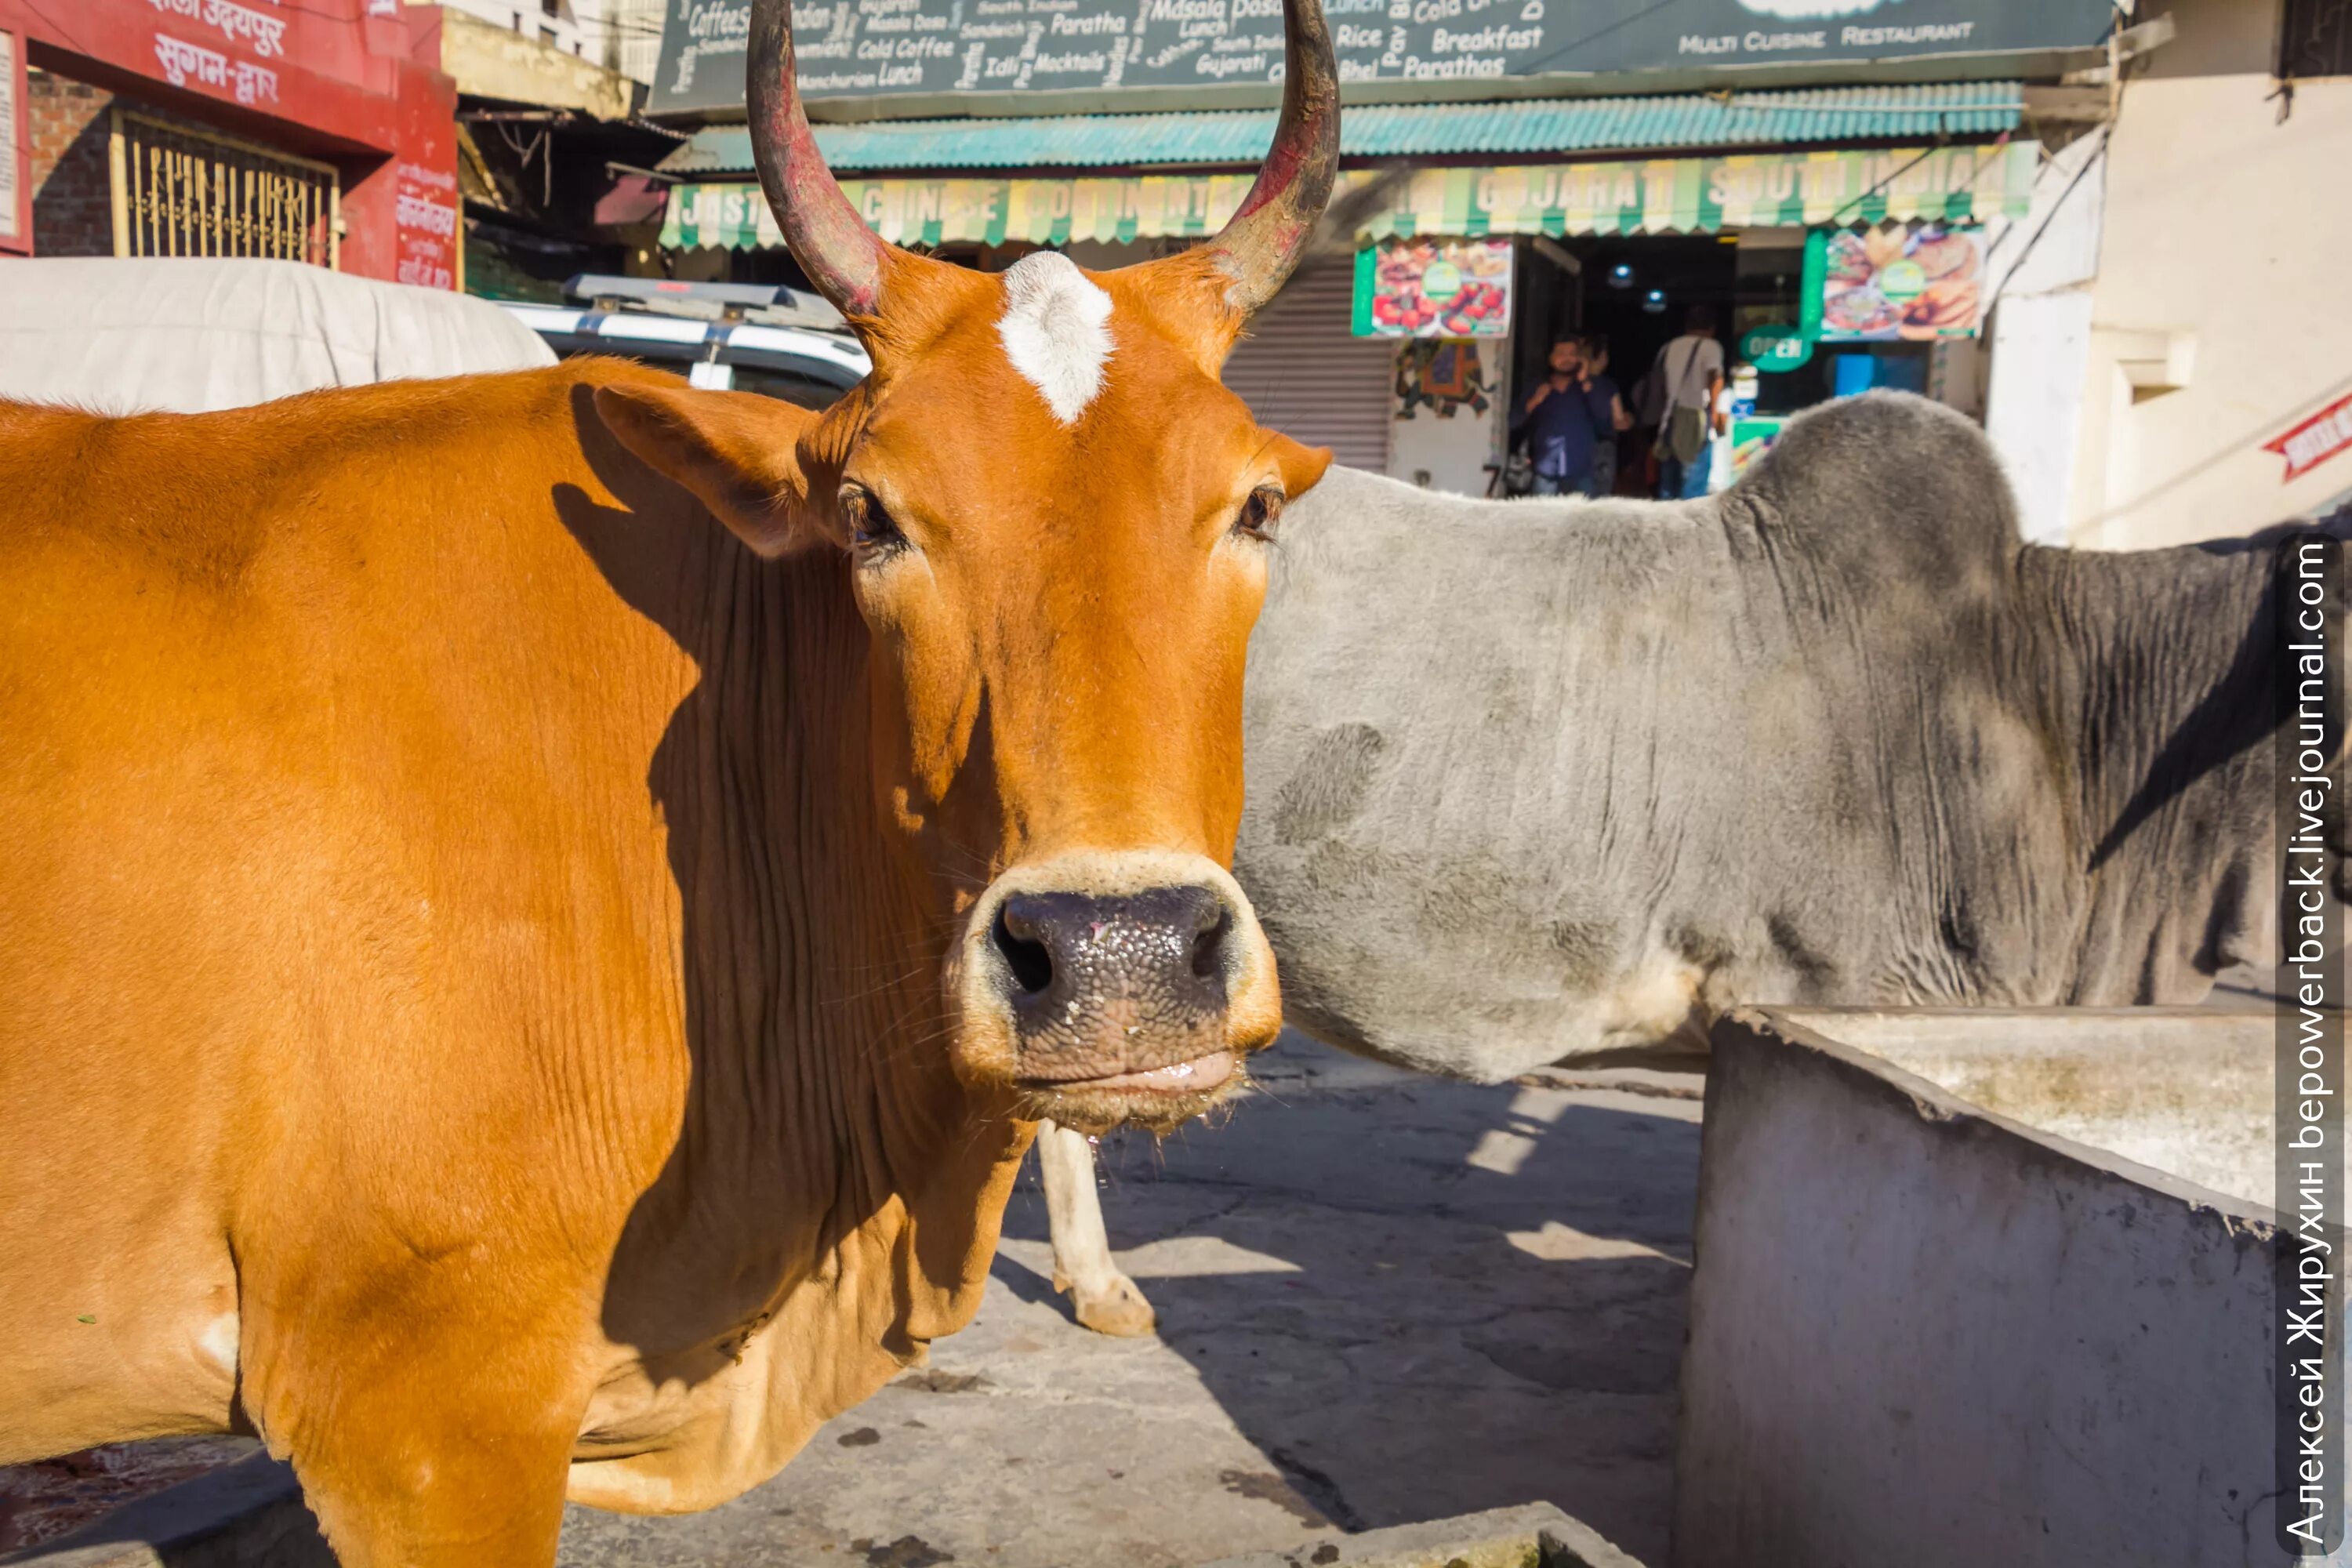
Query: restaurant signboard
{"points": [[870, 48]]}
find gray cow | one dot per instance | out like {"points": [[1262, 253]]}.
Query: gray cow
{"points": [[1561, 781]]}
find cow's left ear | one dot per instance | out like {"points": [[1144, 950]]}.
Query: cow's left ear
{"points": [[1300, 467], [738, 452]]}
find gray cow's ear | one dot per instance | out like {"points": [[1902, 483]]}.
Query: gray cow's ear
{"points": [[738, 452]]}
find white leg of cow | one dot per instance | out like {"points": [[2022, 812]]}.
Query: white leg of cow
{"points": [[1105, 1299]]}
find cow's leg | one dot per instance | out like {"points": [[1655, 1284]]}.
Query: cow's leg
{"points": [[449, 1449], [439, 1494], [1106, 1300]]}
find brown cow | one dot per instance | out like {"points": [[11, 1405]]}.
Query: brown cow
{"points": [[510, 988]]}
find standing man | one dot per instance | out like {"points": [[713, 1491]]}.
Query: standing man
{"points": [[1564, 421], [1604, 451], [1689, 374]]}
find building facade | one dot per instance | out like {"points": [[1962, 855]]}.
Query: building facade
{"points": [[1595, 174], [548, 99], [2110, 231], [620, 35], [320, 133], [2174, 361], [1605, 217]]}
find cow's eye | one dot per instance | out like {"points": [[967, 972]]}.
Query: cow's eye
{"points": [[871, 532], [1259, 512]]}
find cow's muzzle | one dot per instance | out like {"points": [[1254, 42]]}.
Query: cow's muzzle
{"points": [[1109, 988]]}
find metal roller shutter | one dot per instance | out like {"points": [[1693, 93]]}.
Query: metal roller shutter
{"points": [[1303, 374]]}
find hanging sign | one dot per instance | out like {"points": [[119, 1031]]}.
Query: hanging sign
{"points": [[1889, 284], [1776, 348], [2315, 440], [1433, 287]]}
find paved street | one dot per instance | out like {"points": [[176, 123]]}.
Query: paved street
{"points": [[1382, 1299]]}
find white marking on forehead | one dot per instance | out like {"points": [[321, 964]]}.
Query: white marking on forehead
{"points": [[1057, 330]]}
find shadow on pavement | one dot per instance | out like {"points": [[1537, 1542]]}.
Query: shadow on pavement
{"points": [[1383, 1300], [1424, 1299]]}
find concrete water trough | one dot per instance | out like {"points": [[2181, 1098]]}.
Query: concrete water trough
{"points": [[1981, 1288]]}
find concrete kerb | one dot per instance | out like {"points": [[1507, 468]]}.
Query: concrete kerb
{"points": [[1535, 1536], [250, 1515]]}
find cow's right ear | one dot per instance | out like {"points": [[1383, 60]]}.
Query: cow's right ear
{"points": [[738, 452]]}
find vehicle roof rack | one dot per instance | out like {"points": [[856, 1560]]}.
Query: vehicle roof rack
{"points": [[768, 304]]}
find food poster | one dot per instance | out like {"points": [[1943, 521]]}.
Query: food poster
{"points": [[1897, 285], [1751, 437], [1429, 287]]}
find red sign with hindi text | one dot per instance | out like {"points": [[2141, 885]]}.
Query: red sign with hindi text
{"points": [[356, 82], [323, 64], [2323, 436]]}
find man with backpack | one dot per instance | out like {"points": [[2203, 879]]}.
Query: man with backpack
{"points": [[1678, 396]]}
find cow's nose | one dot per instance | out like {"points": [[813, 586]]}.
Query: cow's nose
{"points": [[1106, 985]]}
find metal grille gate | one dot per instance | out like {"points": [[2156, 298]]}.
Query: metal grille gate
{"points": [[179, 191]]}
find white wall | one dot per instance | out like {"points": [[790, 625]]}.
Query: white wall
{"points": [[2040, 343], [632, 39], [619, 34], [1453, 452], [529, 18], [2039, 273], [2227, 234]]}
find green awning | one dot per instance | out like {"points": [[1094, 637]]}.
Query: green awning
{"points": [[1814, 116], [1655, 196]]}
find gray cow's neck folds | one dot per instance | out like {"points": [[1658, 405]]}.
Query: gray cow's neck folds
{"points": [[1531, 781]]}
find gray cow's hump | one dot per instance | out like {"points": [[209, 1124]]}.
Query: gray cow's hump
{"points": [[1886, 476]]}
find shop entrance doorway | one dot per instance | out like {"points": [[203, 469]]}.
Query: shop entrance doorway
{"points": [[1639, 289], [1633, 292]]}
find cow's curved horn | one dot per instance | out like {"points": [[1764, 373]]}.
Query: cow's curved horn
{"points": [[841, 256], [1262, 245]]}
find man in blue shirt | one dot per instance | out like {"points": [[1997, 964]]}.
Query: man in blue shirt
{"points": [[1565, 420]]}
